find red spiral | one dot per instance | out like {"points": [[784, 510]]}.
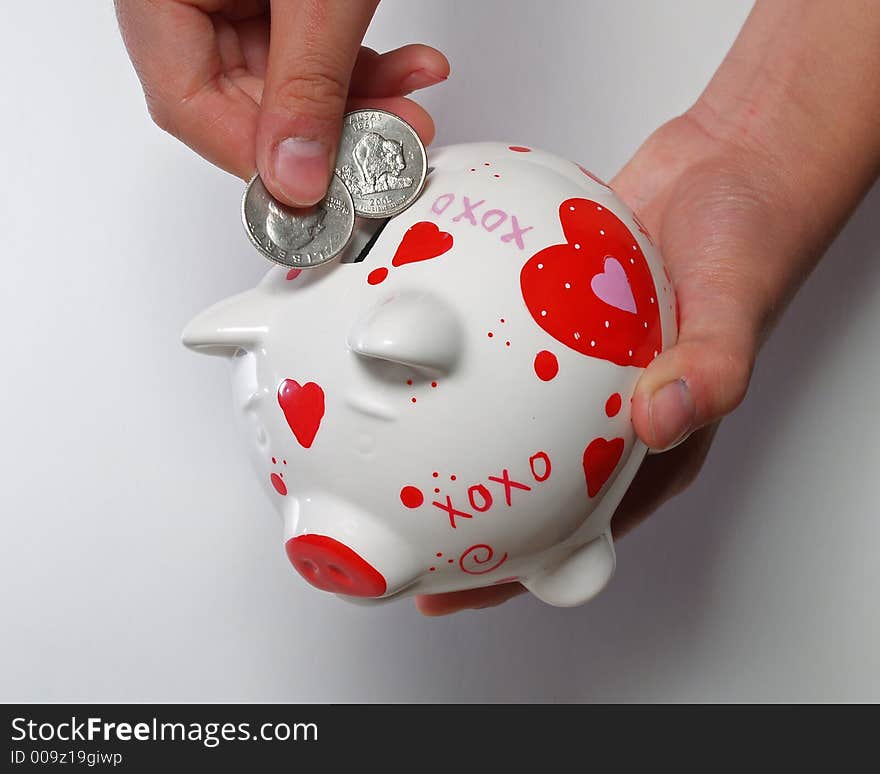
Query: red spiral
{"points": [[479, 555]]}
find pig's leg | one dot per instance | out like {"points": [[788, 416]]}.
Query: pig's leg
{"points": [[579, 577]]}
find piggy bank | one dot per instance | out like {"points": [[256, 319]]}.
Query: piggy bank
{"points": [[448, 405]]}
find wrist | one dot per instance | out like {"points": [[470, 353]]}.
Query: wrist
{"points": [[799, 93]]}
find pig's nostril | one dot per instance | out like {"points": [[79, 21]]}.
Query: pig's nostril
{"points": [[332, 566]]}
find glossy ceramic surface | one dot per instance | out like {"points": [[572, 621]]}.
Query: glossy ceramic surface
{"points": [[452, 410]]}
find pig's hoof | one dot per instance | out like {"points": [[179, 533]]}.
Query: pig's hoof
{"points": [[578, 578]]}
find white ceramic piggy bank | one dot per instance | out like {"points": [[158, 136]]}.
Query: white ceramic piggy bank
{"points": [[449, 406]]}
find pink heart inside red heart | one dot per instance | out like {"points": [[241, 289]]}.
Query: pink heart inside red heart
{"points": [[595, 292]]}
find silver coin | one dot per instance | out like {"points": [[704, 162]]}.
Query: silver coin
{"points": [[293, 237], [382, 162]]}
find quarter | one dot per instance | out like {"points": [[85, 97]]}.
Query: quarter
{"points": [[382, 162], [299, 238]]}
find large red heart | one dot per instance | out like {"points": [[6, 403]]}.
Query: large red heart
{"points": [[303, 407], [595, 293], [422, 240], [600, 460]]}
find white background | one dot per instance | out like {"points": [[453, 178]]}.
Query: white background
{"points": [[140, 560]]}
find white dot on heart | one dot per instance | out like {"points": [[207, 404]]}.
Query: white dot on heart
{"points": [[607, 324], [652, 299], [577, 246], [543, 313], [646, 324], [577, 336], [630, 353], [602, 231], [571, 207], [634, 247], [568, 286], [592, 343], [599, 209], [540, 265]]}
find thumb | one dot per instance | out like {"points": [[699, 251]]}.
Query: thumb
{"points": [[719, 258], [312, 51]]}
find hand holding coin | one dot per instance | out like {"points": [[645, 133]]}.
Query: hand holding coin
{"points": [[257, 86], [380, 171]]}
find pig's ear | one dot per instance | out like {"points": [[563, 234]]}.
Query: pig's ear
{"points": [[579, 577], [223, 329], [412, 328]]}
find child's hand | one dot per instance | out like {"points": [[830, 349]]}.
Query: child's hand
{"points": [[252, 86]]}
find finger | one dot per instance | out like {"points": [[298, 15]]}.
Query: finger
{"points": [[312, 51], [721, 250], [433, 605], [415, 115], [174, 51], [401, 71]]}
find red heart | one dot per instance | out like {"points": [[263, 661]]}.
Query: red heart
{"points": [[558, 288], [600, 459], [303, 408], [422, 240]]}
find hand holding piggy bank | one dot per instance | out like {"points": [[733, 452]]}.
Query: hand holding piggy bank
{"points": [[448, 406]]}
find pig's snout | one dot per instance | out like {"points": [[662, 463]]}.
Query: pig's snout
{"points": [[332, 566]]}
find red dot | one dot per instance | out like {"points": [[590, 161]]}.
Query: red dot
{"points": [[546, 365], [506, 343], [409, 382], [496, 175], [435, 474], [411, 496], [450, 561], [273, 461], [293, 274], [612, 405], [485, 163], [519, 148], [413, 400], [432, 569], [436, 490], [490, 334], [452, 478], [283, 462], [473, 169], [377, 275], [279, 485], [502, 319], [433, 384], [439, 553]]}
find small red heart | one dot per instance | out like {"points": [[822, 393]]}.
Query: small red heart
{"points": [[303, 407], [422, 240], [600, 460]]}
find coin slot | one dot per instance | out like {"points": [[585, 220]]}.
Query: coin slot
{"points": [[366, 233]]}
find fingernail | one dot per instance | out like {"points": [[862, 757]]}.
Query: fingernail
{"points": [[672, 414], [419, 79], [302, 169]]}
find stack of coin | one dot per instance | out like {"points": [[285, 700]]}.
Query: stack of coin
{"points": [[379, 172]]}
